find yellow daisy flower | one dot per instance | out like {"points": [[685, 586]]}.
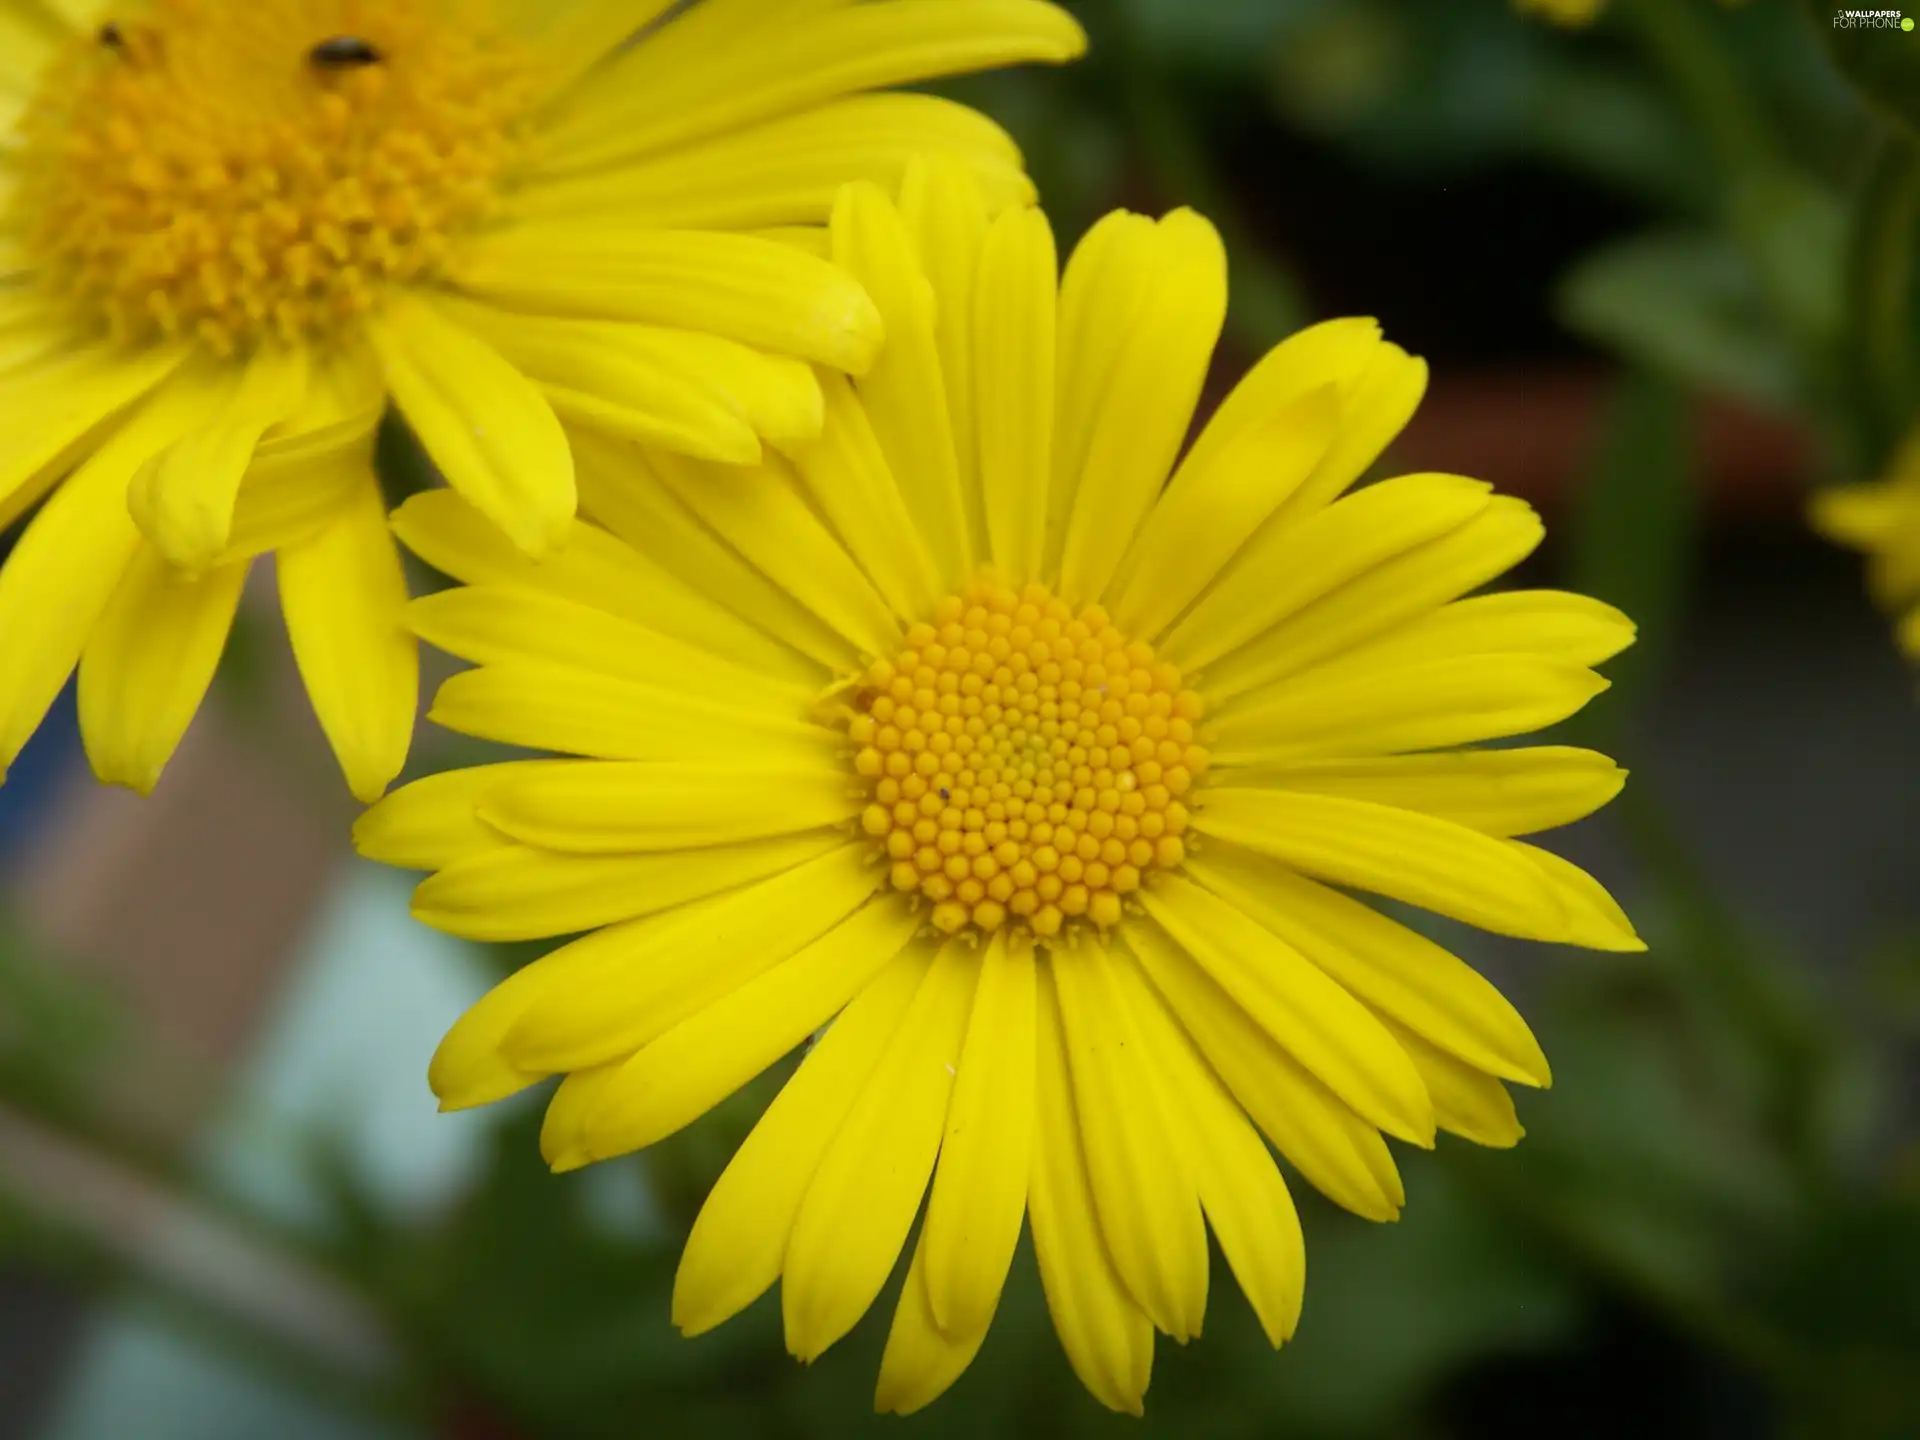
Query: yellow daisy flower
{"points": [[1883, 519], [229, 234], [1036, 777]]}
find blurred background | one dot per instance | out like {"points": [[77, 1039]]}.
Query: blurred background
{"points": [[1662, 267]]}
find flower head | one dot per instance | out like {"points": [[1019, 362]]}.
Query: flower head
{"points": [[1037, 777], [1883, 519], [231, 234]]}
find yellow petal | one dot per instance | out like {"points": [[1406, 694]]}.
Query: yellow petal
{"points": [[1407, 585], [1589, 915], [1146, 405], [1285, 569], [906, 393], [632, 982], [345, 598], [980, 1190], [1397, 971], [1315, 1019], [1340, 1154], [1497, 792], [1549, 623], [740, 1237], [786, 171], [922, 1359], [148, 663], [741, 287], [708, 74], [1401, 854], [517, 892], [63, 572], [1014, 316], [1107, 1336], [594, 568], [1373, 410], [854, 489], [1143, 1189], [485, 425], [1209, 511], [1466, 1102], [1240, 1187], [861, 1202], [571, 39], [1419, 705], [708, 1056], [563, 1128], [623, 493], [183, 499], [436, 821], [624, 806]]}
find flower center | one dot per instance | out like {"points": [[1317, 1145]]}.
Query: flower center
{"points": [[232, 171], [1026, 761]]}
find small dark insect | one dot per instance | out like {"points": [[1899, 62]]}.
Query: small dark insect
{"points": [[111, 37], [946, 794], [343, 52]]}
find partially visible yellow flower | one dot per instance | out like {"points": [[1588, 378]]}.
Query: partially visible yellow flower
{"points": [[1883, 519], [1042, 776], [231, 232], [1563, 12]]}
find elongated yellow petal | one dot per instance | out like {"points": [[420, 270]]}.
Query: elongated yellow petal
{"points": [[183, 499], [571, 39], [289, 498], [787, 171], [1209, 511], [758, 292], [760, 512], [740, 1238], [635, 981], [1421, 705], [726, 75], [1285, 569], [1107, 1336], [708, 1056], [563, 1128], [862, 1200], [1316, 1020], [1501, 535], [1147, 402], [1590, 916], [472, 1066], [851, 483], [1466, 1102], [148, 663], [518, 892], [1340, 1154], [1396, 971], [486, 425], [625, 806], [906, 394], [1549, 623], [1497, 792], [946, 216], [1013, 320], [53, 407], [1240, 1187], [622, 492], [61, 575], [922, 1359], [436, 822], [345, 598], [1374, 408], [593, 568], [980, 1190], [492, 625], [1143, 1188], [1404, 855]]}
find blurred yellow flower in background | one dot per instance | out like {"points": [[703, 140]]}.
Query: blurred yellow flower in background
{"points": [[1563, 12], [229, 234], [1036, 777], [1883, 520]]}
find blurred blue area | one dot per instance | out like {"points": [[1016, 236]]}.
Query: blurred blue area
{"points": [[34, 778]]}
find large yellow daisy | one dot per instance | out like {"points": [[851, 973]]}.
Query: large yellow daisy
{"points": [[1883, 520], [1041, 780], [229, 233]]}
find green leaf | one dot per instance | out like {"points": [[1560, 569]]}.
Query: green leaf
{"points": [[1686, 304]]}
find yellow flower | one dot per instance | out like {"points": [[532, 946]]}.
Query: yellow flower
{"points": [[1047, 775], [1883, 520], [230, 233]]}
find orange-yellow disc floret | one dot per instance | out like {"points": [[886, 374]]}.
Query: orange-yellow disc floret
{"points": [[1028, 762], [232, 171]]}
